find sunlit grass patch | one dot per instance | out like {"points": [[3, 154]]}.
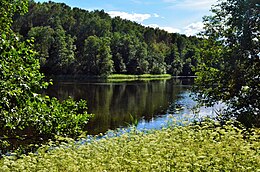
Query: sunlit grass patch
{"points": [[205, 147], [124, 77]]}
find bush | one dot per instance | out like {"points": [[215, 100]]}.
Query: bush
{"points": [[205, 147], [23, 112]]}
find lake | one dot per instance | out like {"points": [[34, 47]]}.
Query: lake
{"points": [[151, 102]]}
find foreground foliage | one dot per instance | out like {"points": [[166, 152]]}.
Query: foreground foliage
{"points": [[24, 113], [229, 67], [204, 147]]}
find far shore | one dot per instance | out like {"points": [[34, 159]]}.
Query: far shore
{"points": [[116, 77]]}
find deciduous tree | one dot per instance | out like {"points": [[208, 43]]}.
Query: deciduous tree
{"points": [[24, 113], [229, 68]]}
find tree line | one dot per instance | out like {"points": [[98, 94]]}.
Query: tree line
{"points": [[72, 41]]}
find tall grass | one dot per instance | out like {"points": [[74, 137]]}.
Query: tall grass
{"points": [[123, 76], [206, 147]]}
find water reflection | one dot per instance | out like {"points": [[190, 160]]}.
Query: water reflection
{"points": [[181, 112], [112, 103]]}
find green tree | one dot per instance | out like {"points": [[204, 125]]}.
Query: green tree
{"points": [[123, 51], [141, 58], [97, 58], [229, 67], [61, 52], [106, 64], [117, 56], [60, 33], [43, 39], [173, 61], [89, 59], [181, 44], [138, 63], [24, 113], [156, 58], [55, 48], [190, 60]]}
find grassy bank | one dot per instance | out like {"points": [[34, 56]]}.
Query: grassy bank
{"points": [[123, 77], [112, 77], [191, 148]]}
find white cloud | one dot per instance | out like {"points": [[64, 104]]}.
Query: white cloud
{"points": [[130, 16], [193, 28], [171, 1], [141, 2], [136, 1], [168, 29], [156, 15], [192, 4], [190, 30]]}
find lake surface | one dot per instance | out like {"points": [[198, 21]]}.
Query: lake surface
{"points": [[152, 103]]}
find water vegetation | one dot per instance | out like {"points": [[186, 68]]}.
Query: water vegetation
{"points": [[206, 146]]}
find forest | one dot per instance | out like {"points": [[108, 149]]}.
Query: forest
{"points": [[74, 41]]}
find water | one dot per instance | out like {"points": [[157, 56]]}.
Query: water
{"points": [[152, 103]]}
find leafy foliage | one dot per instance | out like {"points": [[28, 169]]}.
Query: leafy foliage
{"points": [[61, 36], [96, 59], [229, 66], [23, 112], [204, 147]]}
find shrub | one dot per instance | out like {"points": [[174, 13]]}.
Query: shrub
{"points": [[23, 112], [204, 147]]}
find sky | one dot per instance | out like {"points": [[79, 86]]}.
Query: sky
{"points": [[182, 16]]}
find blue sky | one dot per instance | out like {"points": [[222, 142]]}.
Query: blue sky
{"points": [[183, 16]]}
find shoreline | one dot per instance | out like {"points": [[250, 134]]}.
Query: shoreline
{"points": [[116, 77]]}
